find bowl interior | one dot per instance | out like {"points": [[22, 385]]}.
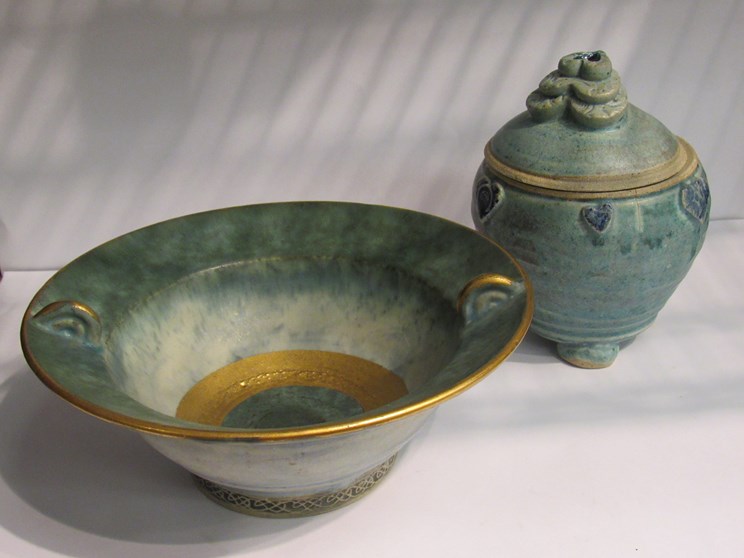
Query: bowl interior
{"points": [[297, 309], [266, 320]]}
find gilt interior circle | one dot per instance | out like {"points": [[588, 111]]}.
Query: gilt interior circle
{"points": [[216, 396]]}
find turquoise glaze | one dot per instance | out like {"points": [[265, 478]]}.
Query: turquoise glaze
{"points": [[603, 206], [167, 342], [126, 330]]}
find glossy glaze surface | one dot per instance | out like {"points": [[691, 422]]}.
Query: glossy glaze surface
{"points": [[602, 269], [604, 207], [128, 330]]}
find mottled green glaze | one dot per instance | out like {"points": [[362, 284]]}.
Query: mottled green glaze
{"points": [[604, 258], [563, 147], [579, 123], [292, 406], [241, 270], [126, 330]]}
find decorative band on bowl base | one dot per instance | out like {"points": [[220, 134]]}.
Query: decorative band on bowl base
{"points": [[300, 506]]}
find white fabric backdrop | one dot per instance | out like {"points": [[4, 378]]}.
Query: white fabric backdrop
{"points": [[114, 115]]}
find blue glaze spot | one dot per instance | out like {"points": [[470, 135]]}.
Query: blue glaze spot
{"points": [[695, 198], [598, 217]]}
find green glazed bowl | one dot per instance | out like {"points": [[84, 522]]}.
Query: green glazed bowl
{"points": [[282, 353]]}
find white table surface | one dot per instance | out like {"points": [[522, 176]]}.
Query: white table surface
{"points": [[645, 458]]}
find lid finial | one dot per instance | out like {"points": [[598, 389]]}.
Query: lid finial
{"points": [[584, 88]]}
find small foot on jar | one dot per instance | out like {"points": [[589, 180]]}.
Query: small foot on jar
{"points": [[589, 355]]}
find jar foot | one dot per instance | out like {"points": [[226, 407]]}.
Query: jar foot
{"points": [[589, 355]]}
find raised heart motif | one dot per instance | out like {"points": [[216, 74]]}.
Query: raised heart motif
{"points": [[597, 216], [695, 198]]}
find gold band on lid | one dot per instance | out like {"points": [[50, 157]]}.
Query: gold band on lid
{"points": [[679, 167]]}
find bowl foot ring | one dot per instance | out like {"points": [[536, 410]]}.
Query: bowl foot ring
{"points": [[300, 506]]}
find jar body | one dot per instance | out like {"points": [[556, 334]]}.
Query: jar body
{"points": [[602, 266]]}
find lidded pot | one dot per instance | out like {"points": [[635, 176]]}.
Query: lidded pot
{"points": [[604, 207]]}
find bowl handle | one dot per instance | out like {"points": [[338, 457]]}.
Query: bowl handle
{"points": [[72, 319], [485, 293]]}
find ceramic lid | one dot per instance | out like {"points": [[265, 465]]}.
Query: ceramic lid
{"points": [[580, 134]]}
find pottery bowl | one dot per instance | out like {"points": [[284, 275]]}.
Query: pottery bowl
{"points": [[282, 353]]}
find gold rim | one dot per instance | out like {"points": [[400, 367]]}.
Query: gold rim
{"points": [[680, 166], [275, 435]]}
